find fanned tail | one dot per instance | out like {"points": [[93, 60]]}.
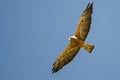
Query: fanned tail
{"points": [[88, 47]]}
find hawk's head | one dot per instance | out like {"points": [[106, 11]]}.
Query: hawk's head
{"points": [[72, 38]]}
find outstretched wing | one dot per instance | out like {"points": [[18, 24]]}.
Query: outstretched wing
{"points": [[66, 56], [84, 23]]}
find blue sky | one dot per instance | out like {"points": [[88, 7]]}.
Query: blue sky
{"points": [[34, 32]]}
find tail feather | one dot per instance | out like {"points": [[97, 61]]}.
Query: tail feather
{"points": [[88, 47]]}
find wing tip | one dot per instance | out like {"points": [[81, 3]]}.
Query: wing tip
{"points": [[90, 5], [54, 69]]}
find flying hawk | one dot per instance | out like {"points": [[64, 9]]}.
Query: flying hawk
{"points": [[77, 41]]}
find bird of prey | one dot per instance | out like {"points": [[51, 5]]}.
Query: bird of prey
{"points": [[77, 41]]}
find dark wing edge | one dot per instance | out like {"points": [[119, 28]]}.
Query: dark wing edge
{"points": [[65, 57], [84, 22]]}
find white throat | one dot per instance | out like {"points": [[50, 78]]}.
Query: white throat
{"points": [[72, 37]]}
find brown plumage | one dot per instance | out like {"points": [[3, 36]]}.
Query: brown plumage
{"points": [[76, 41]]}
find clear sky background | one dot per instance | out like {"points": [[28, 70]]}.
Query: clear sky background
{"points": [[34, 32]]}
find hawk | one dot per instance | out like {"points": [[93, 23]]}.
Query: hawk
{"points": [[77, 41]]}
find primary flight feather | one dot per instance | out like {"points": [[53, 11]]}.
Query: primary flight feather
{"points": [[77, 41]]}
